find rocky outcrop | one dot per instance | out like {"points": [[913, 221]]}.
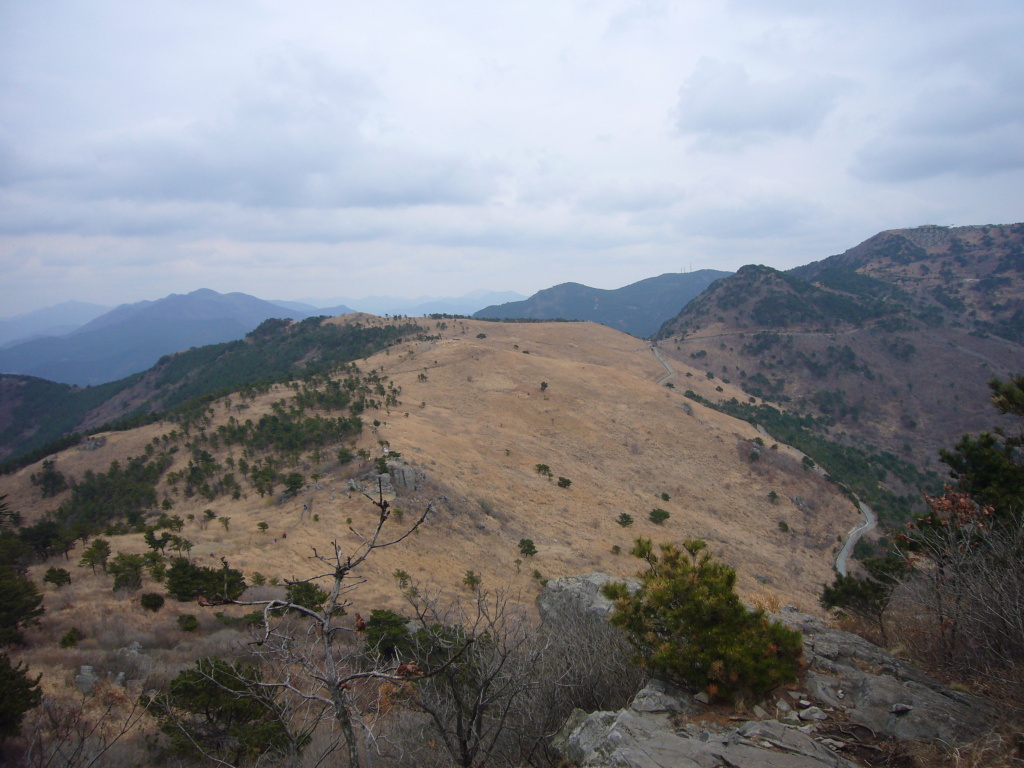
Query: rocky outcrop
{"points": [[578, 595], [631, 739], [874, 689], [853, 692]]}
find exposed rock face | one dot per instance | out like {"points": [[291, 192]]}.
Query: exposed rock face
{"points": [[632, 739], [579, 593], [881, 692], [404, 476], [850, 682]]}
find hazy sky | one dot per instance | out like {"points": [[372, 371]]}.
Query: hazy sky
{"points": [[323, 149]]}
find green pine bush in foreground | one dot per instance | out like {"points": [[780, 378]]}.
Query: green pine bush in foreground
{"points": [[689, 626]]}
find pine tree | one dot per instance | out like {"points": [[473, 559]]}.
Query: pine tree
{"points": [[18, 694], [689, 625], [21, 605]]}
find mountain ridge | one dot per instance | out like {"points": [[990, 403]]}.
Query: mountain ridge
{"points": [[55, 320], [637, 309], [132, 337], [864, 342]]}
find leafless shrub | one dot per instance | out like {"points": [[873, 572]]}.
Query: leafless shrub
{"points": [[961, 608], [994, 750], [505, 686], [83, 732]]}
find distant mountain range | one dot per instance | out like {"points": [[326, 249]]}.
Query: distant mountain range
{"points": [[132, 337], [638, 309], [886, 347], [50, 321], [416, 307], [57, 342], [309, 310]]}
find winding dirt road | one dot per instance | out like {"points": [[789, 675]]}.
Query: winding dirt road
{"points": [[869, 524]]}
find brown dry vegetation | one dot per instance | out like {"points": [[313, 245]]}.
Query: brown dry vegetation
{"points": [[476, 426]]}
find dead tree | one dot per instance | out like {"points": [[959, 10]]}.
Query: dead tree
{"points": [[308, 645]]}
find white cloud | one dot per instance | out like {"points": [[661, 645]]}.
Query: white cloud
{"points": [[254, 146], [725, 109], [975, 128]]}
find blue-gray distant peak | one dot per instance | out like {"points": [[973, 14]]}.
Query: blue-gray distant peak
{"points": [[638, 309]]}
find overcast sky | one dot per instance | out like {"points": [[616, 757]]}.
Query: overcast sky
{"points": [[323, 149]]}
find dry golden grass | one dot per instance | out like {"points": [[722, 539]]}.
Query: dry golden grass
{"points": [[476, 426]]}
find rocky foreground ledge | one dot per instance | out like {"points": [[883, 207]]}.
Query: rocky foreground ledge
{"points": [[854, 697]]}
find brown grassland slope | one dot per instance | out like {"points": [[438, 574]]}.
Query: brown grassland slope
{"points": [[474, 421]]}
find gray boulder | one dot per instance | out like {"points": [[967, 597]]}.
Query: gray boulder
{"points": [[630, 739], [883, 693], [404, 476], [86, 679], [660, 696], [578, 594]]}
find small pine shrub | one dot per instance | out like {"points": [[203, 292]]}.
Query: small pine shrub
{"points": [[387, 634], [71, 638], [472, 579], [689, 625], [307, 595], [188, 622], [57, 576], [659, 516], [624, 520], [151, 601]]}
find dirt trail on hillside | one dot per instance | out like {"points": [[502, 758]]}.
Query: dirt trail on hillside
{"points": [[668, 368]]}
